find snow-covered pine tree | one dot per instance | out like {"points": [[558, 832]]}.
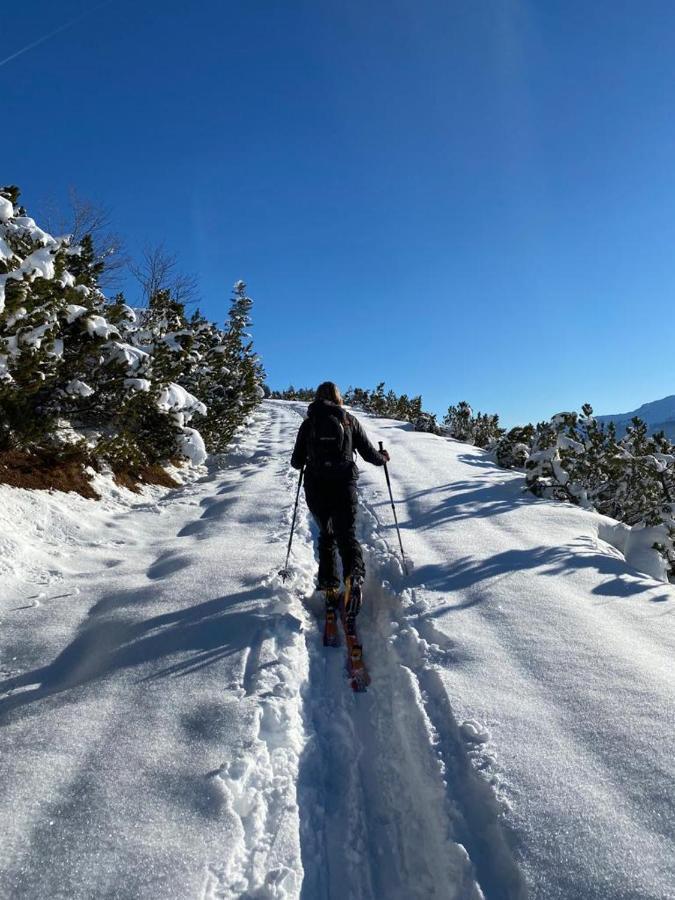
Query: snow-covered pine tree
{"points": [[232, 375], [426, 422], [378, 401], [638, 495], [545, 474], [401, 407], [459, 421], [486, 431], [53, 333], [76, 368], [389, 405], [512, 449], [358, 398], [414, 408]]}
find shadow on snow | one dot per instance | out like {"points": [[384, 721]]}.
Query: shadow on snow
{"points": [[202, 634], [621, 580]]}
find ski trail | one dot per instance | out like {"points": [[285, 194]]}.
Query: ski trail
{"points": [[375, 814], [410, 643]]}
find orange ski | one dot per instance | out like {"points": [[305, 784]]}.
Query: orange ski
{"points": [[356, 668]]}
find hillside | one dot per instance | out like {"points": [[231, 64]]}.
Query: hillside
{"points": [[173, 727], [659, 415]]}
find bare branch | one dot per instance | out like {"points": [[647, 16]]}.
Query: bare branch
{"points": [[83, 217], [156, 271]]}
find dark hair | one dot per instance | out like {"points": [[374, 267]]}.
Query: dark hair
{"points": [[328, 390]]}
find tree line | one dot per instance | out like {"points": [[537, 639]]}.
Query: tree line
{"points": [[83, 373], [572, 457]]}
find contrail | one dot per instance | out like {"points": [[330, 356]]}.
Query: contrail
{"points": [[46, 37]]}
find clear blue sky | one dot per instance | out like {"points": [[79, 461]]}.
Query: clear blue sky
{"points": [[469, 200]]}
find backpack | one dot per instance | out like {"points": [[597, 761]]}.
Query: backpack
{"points": [[329, 450]]}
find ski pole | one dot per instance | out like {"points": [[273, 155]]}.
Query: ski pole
{"points": [[284, 572], [393, 509]]}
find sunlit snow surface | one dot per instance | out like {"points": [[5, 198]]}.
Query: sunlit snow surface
{"points": [[172, 727]]}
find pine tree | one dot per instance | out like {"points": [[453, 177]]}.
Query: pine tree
{"points": [[52, 331], [512, 449], [232, 376], [426, 422], [486, 431], [459, 421]]}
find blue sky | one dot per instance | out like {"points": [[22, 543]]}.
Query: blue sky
{"points": [[469, 200]]}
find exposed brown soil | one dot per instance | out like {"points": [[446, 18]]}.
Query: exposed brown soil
{"points": [[135, 479], [43, 470]]}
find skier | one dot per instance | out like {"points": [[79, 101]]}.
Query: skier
{"points": [[326, 443]]}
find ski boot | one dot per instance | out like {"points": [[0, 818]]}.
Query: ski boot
{"points": [[330, 629], [351, 604], [353, 598]]}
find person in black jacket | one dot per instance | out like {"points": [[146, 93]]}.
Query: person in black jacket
{"points": [[326, 443]]}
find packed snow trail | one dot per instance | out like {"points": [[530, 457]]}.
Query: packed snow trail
{"points": [[172, 726]]}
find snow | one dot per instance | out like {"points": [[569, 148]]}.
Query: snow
{"points": [[6, 251], [78, 388], [133, 357], [182, 403], [192, 446], [36, 335], [636, 545], [137, 384], [97, 326], [38, 263], [67, 280], [173, 727], [6, 209], [37, 234], [74, 312]]}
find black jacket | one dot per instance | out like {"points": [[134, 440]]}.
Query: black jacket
{"points": [[353, 431]]}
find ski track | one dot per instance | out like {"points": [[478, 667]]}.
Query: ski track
{"points": [[384, 768], [182, 732]]}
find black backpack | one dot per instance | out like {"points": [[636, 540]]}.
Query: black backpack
{"points": [[329, 445]]}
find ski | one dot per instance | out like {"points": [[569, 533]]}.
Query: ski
{"points": [[357, 672], [331, 637], [356, 667]]}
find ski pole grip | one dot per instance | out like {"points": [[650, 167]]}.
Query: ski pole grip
{"points": [[381, 447]]}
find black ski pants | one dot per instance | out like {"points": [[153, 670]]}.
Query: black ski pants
{"points": [[333, 503]]}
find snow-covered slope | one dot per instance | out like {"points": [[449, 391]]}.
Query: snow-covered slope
{"points": [[172, 727]]}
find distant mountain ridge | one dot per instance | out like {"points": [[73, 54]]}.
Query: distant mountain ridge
{"points": [[659, 416]]}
